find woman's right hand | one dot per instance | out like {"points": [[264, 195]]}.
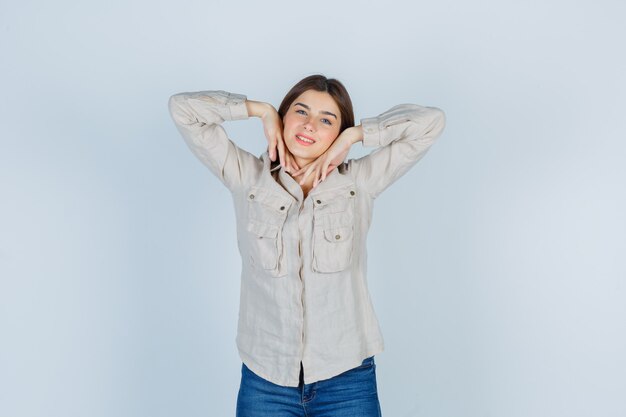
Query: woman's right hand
{"points": [[273, 129]]}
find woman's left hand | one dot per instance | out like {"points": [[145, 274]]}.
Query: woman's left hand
{"points": [[332, 157]]}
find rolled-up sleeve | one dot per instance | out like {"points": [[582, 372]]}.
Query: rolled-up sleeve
{"points": [[403, 135], [198, 117]]}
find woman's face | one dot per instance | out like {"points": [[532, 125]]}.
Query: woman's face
{"points": [[315, 116]]}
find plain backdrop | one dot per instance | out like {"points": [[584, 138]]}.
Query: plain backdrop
{"points": [[503, 295]]}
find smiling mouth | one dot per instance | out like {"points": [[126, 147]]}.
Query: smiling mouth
{"points": [[305, 140]]}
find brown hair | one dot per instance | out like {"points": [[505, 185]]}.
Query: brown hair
{"points": [[332, 86]]}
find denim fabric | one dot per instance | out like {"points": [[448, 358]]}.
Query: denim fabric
{"points": [[351, 393]]}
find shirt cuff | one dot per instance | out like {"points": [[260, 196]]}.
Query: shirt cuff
{"points": [[371, 131], [237, 106]]}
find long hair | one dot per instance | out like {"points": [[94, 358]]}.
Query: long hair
{"points": [[332, 86]]}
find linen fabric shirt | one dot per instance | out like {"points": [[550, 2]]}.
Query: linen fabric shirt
{"points": [[304, 295]]}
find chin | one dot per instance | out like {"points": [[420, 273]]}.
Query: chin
{"points": [[297, 150], [306, 153]]}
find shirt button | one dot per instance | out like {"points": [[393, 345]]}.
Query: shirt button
{"points": [[351, 192], [251, 196], [337, 237], [318, 201], [282, 207]]}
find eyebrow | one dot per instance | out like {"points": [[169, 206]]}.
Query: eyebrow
{"points": [[323, 111]]}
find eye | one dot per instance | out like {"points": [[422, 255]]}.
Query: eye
{"points": [[303, 112], [329, 123]]}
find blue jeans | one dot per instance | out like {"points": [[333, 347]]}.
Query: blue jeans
{"points": [[352, 393]]}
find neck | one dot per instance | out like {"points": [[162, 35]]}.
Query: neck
{"points": [[302, 161]]}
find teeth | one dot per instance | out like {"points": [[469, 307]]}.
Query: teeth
{"points": [[305, 139]]}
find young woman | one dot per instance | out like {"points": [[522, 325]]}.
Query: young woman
{"points": [[307, 331]]}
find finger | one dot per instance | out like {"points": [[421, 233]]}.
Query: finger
{"points": [[300, 170], [281, 149], [289, 162], [307, 173], [271, 148], [295, 165], [306, 166], [315, 179], [325, 169], [297, 172], [304, 176], [330, 168]]}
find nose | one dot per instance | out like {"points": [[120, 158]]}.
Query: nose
{"points": [[308, 126]]}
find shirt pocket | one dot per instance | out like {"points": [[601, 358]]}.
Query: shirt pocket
{"points": [[333, 230], [267, 212]]}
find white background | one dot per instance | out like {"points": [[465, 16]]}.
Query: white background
{"points": [[501, 252]]}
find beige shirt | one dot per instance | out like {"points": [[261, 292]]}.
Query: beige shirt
{"points": [[304, 295]]}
